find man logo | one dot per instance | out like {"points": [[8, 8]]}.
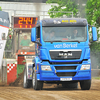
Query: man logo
{"points": [[69, 54], [60, 54], [65, 54]]}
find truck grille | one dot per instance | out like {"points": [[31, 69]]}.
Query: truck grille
{"points": [[59, 74], [65, 55], [65, 67]]}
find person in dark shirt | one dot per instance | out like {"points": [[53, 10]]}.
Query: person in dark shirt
{"points": [[75, 33], [50, 36]]}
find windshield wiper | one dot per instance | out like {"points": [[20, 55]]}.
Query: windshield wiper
{"points": [[62, 41], [54, 41], [73, 41]]}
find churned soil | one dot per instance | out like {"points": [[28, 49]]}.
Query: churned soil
{"points": [[49, 92], [18, 81]]}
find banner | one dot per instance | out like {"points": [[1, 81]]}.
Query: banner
{"points": [[4, 27]]}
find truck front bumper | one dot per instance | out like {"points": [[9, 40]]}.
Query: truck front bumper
{"points": [[69, 72], [50, 76]]}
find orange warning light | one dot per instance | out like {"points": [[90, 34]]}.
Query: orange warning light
{"points": [[26, 26], [30, 26], [20, 26]]}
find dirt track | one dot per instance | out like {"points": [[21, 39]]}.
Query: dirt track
{"points": [[50, 92]]}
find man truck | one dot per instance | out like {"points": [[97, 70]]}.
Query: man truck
{"points": [[64, 58]]}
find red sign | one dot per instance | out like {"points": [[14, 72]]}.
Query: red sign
{"points": [[11, 73], [25, 22]]}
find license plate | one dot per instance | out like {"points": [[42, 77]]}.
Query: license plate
{"points": [[65, 79]]}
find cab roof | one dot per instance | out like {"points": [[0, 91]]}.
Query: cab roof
{"points": [[64, 22]]}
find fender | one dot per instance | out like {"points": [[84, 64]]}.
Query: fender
{"points": [[37, 62], [29, 69]]}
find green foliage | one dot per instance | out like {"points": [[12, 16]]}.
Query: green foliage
{"points": [[81, 8], [95, 47], [97, 78], [9, 45], [93, 12], [93, 17], [63, 6], [0, 9], [9, 41], [51, 1]]}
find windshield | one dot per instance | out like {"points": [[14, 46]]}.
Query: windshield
{"points": [[58, 34], [25, 43]]}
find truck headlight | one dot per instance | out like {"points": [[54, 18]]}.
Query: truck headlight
{"points": [[85, 67], [45, 67]]}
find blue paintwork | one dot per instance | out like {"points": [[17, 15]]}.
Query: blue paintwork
{"points": [[33, 34], [94, 33], [43, 56], [51, 75]]}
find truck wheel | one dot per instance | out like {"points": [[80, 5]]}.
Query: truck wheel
{"points": [[26, 82], [85, 85], [37, 85], [70, 85]]}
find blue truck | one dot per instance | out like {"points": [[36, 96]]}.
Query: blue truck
{"points": [[62, 53]]}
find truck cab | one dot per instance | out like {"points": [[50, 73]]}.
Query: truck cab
{"points": [[62, 52]]}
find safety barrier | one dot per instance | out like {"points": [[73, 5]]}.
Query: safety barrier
{"points": [[11, 73]]}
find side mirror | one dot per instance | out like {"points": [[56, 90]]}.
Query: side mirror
{"points": [[33, 34], [94, 33]]}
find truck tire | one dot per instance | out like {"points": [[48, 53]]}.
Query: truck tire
{"points": [[70, 85], [85, 85], [37, 85], [26, 82]]}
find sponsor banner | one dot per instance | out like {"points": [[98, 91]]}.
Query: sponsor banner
{"points": [[3, 30], [4, 19], [4, 26]]}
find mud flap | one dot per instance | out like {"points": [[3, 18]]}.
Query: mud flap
{"points": [[29, 67]]}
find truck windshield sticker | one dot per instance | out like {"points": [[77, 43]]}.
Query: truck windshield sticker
{"points": [[64, 45], [69, 21]]}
